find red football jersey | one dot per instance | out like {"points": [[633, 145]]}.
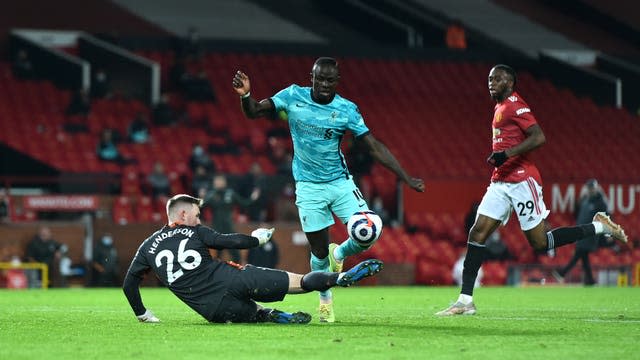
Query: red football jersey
{"points": [[511, 119]]}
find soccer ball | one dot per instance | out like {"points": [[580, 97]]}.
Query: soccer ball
{"points": [[364, 227]]}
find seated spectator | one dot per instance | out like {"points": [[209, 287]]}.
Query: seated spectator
{"points": [[22, 67], [105, 263], [163, 113], [159, 181], [377, 206], [223, 144], [138, 130], [77, 112], [100, 85], [201, 180], [107, 149], [198, 88], [222, 200], [178, 74], [200, 158], [254, 186], [80, 103], [44, 249], [496, 249]]}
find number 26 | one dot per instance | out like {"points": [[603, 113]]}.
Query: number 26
{"points": [[183, 259]]}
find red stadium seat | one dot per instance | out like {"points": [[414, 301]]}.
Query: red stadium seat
{"points": [[495, 273], [432, 273], [122, 210], [145, 213], [130, 182]]}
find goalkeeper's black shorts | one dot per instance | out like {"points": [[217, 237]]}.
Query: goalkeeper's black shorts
{"points": [[248, 286]]}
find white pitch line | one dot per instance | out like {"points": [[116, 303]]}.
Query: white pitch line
{"points": [[621, 321]]}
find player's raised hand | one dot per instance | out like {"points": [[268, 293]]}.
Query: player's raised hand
{"points": [[497, 158], [416, 184], [263, 235], [241, 83], [148, 317]]}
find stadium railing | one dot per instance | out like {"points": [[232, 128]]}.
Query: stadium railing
{"points": [[65, 70], [630, 75], [603, 88], [129, 74]]}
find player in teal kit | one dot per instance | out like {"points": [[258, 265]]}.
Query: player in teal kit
{"points": [[318, 119]]}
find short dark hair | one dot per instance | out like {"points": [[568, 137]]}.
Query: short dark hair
{"points": [[182, 198], [509, 70], [325, 60]]}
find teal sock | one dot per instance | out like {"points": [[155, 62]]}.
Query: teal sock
{"points": [[321, 265], [348, 248], [326, 295]]}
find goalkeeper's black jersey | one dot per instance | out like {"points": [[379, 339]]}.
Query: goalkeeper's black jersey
{"points": [[179, 256]]}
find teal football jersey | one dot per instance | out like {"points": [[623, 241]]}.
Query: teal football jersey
{"points": [[316, 132]]}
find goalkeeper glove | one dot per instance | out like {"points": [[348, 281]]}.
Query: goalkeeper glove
{"points": [[497, 158], [263, 235], [148, 317]]}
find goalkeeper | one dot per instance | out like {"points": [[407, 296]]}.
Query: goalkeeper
{"points": [[221, 291]]}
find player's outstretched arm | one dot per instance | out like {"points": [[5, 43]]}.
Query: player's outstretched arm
{"points": [[131, 288], [250, 107], [381, 153], [216, 240]]}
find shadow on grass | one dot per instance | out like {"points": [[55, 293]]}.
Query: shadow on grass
{"points": [[458, 329]]}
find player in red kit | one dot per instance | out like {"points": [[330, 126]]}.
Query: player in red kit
{"points": [[515, 186]]}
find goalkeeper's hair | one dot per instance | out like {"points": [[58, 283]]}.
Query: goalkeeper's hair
{"points": [[181, 199], [509, 70]]}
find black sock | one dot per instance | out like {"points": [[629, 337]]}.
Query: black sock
{"points": [[319, 281], [567, 235], [472, 262], [262, 315]]}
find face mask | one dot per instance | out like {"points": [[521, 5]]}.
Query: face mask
{"points": [[107, 240]]}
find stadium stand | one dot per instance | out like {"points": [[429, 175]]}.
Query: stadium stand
{"points": [[437, 127], [429, 117]]}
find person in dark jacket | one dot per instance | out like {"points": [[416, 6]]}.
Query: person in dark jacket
{"points": [[591, 202]]}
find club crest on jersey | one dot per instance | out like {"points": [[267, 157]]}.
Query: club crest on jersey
{"points": [[513, 98], [496, 133], [498, 117]]}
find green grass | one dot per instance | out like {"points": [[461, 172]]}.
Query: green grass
{"points": [[373, 323]]}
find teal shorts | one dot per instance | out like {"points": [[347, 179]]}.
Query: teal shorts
{"points": [[317, 201]]}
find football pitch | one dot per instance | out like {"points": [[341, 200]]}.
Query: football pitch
{"points": [[372, 323]]}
